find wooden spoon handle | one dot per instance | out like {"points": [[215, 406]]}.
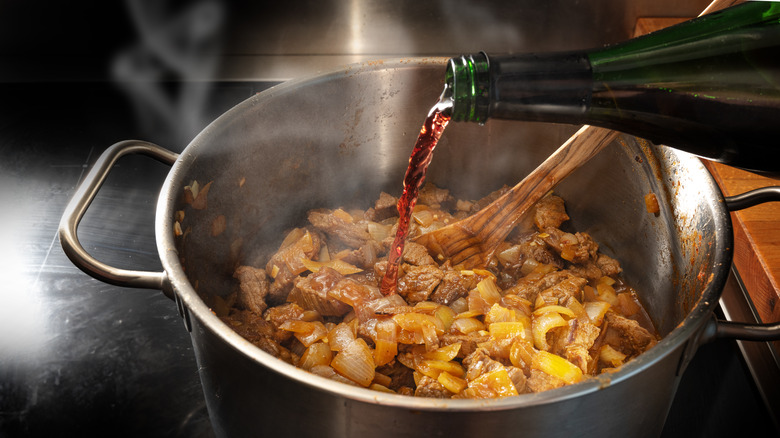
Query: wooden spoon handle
{"points": [[501, 216]]}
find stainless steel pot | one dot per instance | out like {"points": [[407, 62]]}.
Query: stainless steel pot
{"points": [[340, 139]]}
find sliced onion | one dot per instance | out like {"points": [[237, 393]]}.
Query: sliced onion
{"points": [[505, 330], [521, 354], [317, 353], [306, 332], [610, 356], [386, 342], [445, 353], [467, 325], [497, 381], [341, 266], [451, 383], [451, 367], [341, 336], [542, 324], [498, 313], [557, 366], [379, 232], [563, 311], [489, 291], [596, 311], [355, 362]]}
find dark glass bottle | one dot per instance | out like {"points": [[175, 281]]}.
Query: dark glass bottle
{"points": [[709, 86]]}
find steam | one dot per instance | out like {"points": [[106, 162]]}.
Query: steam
{"points": [[167, 72]]}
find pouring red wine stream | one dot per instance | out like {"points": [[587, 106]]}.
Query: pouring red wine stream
{"points": [[421, 156]]}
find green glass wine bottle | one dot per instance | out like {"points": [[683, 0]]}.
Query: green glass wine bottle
{"points": [[709, 86]]}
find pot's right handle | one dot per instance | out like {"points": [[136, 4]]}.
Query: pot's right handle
{"points": [[739, 330], [83, 198]]}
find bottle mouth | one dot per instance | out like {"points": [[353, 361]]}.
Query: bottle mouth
{"points": [[467, 85]]}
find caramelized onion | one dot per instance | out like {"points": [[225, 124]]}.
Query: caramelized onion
{"points": [[355, 362]]}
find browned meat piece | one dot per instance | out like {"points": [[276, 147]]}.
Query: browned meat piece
{"points": [[311, 293], [588, 270], [385, 207], [479, 363], [574, 342], [338, 226], [433, 196], [468, 343], [259, 332], [593, 270], [453, 286], [540, 381], [626, 335], [280, 287], [571, 286], [418, 283], [576, 248], [529, 289], [518, 379], [482, 203], [364, 257], [428, 387], [278, 315], [550, 212], [608, 265], [253, 287], [498, 349], [400, 375], [416, 254]]}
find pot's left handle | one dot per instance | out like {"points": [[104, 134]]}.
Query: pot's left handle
{"points": [[83, 198]]}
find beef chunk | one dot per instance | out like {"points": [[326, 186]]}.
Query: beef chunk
{"points": [[253, 288], [400, 375], [518, 379], [340, 225], [385, 207], [468, 343], [626, 335], [574, 342], [419, 282], [550, 212], [540, 381], [482, 203], [428, 387], [608, 265], [252, 327], [278, 315], [433, 196], [576, 248], [479, 363], [570, 286], [312, 293], [416, 254], [453, 285]]}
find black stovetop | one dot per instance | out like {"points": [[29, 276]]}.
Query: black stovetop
{"points": [[82, 358]]}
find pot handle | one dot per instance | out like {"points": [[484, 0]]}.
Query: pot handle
{"points": [[83, 198], [740, 330]]}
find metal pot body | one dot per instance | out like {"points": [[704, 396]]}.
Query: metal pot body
{"points": [[342, 138]]}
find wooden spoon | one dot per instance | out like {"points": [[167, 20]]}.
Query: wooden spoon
{"points": [[472, 241]]}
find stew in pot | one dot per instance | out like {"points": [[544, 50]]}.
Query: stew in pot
{"points": [[549, 309]]}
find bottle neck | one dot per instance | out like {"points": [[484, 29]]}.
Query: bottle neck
{"points": [[539, 87]]}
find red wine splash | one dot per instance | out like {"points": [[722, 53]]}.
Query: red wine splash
{"points": [[431, 131]]}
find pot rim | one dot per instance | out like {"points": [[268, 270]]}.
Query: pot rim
{"points": [[688, 330]]}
